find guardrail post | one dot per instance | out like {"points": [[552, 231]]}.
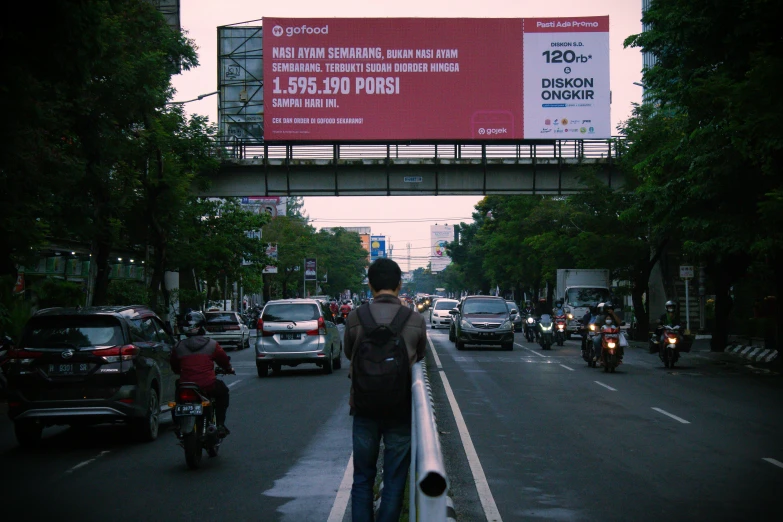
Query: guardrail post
{"points": [[429, 483]]}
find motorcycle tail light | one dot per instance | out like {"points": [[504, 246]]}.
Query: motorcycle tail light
{"points": [[188, 395]]}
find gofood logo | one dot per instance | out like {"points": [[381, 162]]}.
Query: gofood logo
{"points": [[278, 30], [491, 132]]}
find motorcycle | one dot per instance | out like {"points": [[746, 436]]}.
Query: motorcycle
{"points": [[194, 416], [547, 336], [587, 345], [530, 328], [669, 352], [5, 347], [610, 346], [560, 329]]}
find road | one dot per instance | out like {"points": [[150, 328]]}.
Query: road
{"points": [[548, 439], [557, 440]]}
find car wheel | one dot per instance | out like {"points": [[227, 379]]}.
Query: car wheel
{"points": [[28, 433], [338, 362], [328, 367], [263, 369], [508, 346], [147, 427], [460, 345], [451, 336], [246, 344]]}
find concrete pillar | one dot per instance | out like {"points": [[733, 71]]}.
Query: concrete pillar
{"points": [[171, 280]]}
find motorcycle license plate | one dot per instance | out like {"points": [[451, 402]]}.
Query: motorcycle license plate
{"points": [[290, 336], [188, 409]]}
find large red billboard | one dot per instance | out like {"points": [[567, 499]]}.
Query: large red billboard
{"points": [[333, 79]]}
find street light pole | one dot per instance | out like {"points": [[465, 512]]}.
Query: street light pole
{"points": [[199, 97]]}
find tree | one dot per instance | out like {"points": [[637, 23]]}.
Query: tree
{"points": [[341, 257]]}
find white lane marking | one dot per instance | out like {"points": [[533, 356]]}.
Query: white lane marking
{"points": [[482, 486], [528, 349], [567, 368], [605, 385], [82, 464], [679, 419], [773, 462], [434, 353], [343, 494], [235, 383]]}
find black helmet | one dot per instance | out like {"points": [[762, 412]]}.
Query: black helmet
{"points": [[671, 306], [608, 306], [194, 324], [559, 303]]}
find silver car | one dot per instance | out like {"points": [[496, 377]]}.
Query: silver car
{"points": [[228, 329], [439, 313], [297, 331], [516, 318]]}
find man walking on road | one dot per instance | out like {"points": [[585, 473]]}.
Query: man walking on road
{"points": [[388, 338]]}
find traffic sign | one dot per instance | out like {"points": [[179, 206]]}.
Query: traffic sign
{"points": [[686, 271]]}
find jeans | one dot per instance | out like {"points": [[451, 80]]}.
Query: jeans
{"points": [[367, 433]]}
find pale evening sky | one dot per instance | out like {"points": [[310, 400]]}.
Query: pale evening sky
{"points": [[200, 18]]}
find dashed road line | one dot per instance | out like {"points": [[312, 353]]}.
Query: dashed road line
{"points": [[529, 349], [343, 494], [567, 367], [82, 464], [678, 419], [234, 383], [434, 354], [599, 383], [773, 462]]}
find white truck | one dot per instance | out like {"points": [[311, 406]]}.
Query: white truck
{"points": [[580, 289]]}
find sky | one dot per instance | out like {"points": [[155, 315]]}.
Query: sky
{"points": [[402, 219]]}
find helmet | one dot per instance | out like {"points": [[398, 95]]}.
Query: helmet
{"points": [[600, 307], [670, 306], [194, 324], [528, 303], [608, 306], [559, 303]]}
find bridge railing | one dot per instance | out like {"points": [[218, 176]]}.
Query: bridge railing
{"points": [[237, 149]]}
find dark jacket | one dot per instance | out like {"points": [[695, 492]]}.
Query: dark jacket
{"points": [[194, 359], [383, 309]]}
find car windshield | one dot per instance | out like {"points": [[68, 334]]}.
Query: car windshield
{"points": [[484, 306], [445, 304], [291, 312], [72, 332], [587, 296], [221, 318]]}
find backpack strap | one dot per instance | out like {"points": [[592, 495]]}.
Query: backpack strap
{"points": [[365, 317], [400, 319]]}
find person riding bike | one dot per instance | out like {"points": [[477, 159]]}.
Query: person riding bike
{"points": [[606, 311], [670, 318], [529, 310], [194, 360], [559, 309]]}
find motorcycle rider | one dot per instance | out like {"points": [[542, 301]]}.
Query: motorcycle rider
{"points": [[529, 310], [194, 360], [606, 310], [559, 309], [670, 318]]}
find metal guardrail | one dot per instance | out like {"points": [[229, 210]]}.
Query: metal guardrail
{"points": [[429, 484], [237, 149]]}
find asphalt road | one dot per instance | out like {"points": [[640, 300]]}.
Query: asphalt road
{"points": [[286, 456], [548, 439], [557, 440]]}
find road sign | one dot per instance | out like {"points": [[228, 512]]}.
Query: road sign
{"points": [[686, 271]]}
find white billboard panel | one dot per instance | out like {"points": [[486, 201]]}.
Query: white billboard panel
{"points": [[440, 235]]}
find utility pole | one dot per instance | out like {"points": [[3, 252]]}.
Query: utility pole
{"points": [[409, 256]]}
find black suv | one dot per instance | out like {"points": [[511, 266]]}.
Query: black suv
{"points": [[90, 366], [482, 319]]}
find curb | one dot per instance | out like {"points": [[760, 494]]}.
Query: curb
{"points": [[753, 353]]}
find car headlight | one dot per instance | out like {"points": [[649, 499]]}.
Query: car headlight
{"points": [[465, 324], [508, 325]]}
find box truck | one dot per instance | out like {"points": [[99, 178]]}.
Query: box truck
{"points": [[580, 289]]}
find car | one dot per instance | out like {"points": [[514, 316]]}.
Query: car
{"points": [[440, 312], [227, 329], [93, 365], [297, 331], [516, 318], [482, 320]]}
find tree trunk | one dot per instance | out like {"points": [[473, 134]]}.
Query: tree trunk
{"points": [[101, 257], [266, 290], [642, 325], [723, 305]]}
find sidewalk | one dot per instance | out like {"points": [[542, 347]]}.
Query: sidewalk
{"points": [[737, 353]]}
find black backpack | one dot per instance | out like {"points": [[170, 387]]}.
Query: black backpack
{"points": [[381, 368]]}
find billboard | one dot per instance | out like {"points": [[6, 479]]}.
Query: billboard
{"points": [[271, 253], [436, 78], [310, 273], [377, 247], [440, 235], [272, 205], [365, 239]]}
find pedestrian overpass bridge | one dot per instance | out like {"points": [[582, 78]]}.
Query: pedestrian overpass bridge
{"points": [[551, 167]]}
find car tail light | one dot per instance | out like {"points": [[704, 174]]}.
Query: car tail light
{"points": [[233, 327], [117, 353], [321, 330], [23, 356], [260, 327], [188, 395]]}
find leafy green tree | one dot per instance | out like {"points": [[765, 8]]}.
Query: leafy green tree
{"points": [[294, 240], [341, 258]]}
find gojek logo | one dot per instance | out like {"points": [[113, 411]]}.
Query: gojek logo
{"points": [[501, 130], [298, 30]]}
